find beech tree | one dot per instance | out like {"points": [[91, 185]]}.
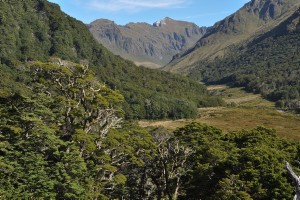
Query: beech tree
{"points": [[161, 174], [169, 165], [69, 104], [35, 161], [84, 103], [295, 178], [85, 109]]}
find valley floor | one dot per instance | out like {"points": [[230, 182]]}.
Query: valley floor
{"points": [[245, 111]]}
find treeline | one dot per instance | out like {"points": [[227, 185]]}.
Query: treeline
{"points": [[269, 65], [37, 30], [65, 139]]}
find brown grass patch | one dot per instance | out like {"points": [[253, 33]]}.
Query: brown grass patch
{"points": [[234, 119], [251, 111]]}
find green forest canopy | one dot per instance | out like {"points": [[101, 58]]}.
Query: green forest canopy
{"points": [[67, 141]]}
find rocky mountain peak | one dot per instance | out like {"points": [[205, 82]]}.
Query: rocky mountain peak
{"points": [[266, 8], [162, 22], [103, 21], [259, 4]]}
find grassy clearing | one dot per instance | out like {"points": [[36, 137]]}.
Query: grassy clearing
{"points": [[239, 97], [251, 111]]}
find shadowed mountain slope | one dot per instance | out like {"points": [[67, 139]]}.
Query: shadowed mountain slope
{"points": [[252, 20]]}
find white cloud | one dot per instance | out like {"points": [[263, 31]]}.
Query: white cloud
{"points": [[134, 5]]}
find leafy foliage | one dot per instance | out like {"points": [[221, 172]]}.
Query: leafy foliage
{"points": [[57, 142], [50, 137], [239, 165]]}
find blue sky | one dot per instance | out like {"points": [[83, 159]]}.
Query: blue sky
{"points": [[201, 12]]}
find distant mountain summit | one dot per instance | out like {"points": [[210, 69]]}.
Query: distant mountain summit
{"points": [[149, 45], [252, 20], [163, 22]]}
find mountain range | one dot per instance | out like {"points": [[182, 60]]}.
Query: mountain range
{"points": [[145, 44]]}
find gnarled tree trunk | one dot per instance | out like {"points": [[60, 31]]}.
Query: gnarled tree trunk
{"points": [[296, 180]]}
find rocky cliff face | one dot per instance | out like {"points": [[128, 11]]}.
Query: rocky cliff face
{"points": [[252, 20], [150, 45]]}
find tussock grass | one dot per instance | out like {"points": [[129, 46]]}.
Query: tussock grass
{"points": [[250, 111]]}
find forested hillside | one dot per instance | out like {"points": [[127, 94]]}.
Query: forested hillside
{"points": [[268, 65], [37, 30]]}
